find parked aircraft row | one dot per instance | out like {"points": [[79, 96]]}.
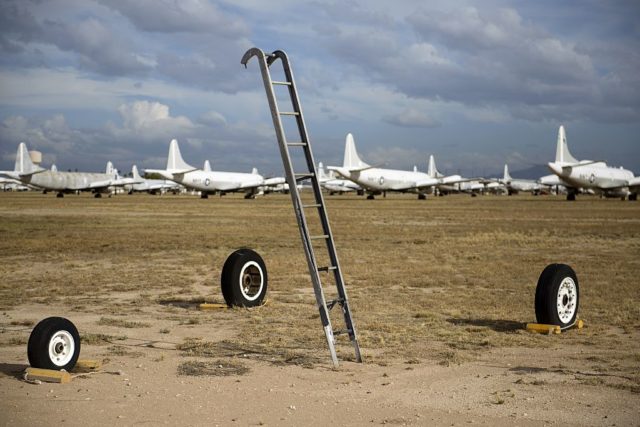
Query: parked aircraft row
{"points": [[178, 172], [569, 174]]}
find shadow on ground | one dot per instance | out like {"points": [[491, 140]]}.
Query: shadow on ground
{"points": [[13, 369], [498, 325]]}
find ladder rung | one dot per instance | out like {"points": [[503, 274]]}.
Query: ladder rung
{"points": [[289, 113], [281, 83], [342, 331], [332, 303], [315, 205], [296, 144], [322, 236], [333, 267]]}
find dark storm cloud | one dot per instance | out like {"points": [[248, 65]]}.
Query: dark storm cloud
{"points": [[97, 46], [493, 57], [412, 118]]}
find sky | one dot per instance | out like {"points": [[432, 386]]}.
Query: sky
{"points": [[476, 84]]}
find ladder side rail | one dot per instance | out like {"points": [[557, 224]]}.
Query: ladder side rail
{"points": [[342, 292], [295, 196]]}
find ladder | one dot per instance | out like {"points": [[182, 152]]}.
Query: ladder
{"points": [[302, 210]]}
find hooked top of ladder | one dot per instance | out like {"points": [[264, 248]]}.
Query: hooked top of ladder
{"points": [[268, 57]]}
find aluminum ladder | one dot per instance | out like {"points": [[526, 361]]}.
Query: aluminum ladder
{"points": [[302, 210]]}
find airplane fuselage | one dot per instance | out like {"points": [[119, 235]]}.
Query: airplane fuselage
{"points": [[61, 181], [217, 181], [596, 176], [376, 179], [340, 185], [522, 185]]}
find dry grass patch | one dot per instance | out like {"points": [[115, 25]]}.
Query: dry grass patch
{"points": [[442, 280], [99, 339], [215, 368], [121, 323]]}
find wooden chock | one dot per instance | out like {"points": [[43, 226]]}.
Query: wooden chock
{"points": [[87, 365], [213, 306], [47, 375], [543, 329]]}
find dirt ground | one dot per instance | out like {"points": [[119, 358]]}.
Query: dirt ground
{"points": [[440, 290]]}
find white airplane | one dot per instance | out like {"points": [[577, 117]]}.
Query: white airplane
{"points": [[335, 185], [453, 183], [590, 175], [151, 186], [210, 182], [376, 180], [30, 174], [554, 183], [9, 184], [515, 185]]}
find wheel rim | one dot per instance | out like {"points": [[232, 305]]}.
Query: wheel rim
{"points": [[251, 280], [567, 300], [61, 348]]}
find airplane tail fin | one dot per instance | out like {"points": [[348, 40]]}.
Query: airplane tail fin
{"points": [[321, 172], [254, 171], [351, 158], [562, 149], [175, 161], [24, 165], [207, 166], [54, 168], [110, 169], [135, 173], [506, 175], [432, 170]]}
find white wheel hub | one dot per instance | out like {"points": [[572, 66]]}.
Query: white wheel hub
{"points": [[61, 348], [251, 280], [567, 300]]}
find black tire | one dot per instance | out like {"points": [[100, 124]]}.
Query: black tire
{"points": [[244, 279], [557, 296], [54, 344]]}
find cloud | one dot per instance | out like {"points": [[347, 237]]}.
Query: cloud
{"points": [[97, 46], [171, 16], [412, 118], [142, 138], [488, 58]]}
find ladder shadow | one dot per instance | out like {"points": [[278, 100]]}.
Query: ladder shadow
{"points": [[498, 325]]}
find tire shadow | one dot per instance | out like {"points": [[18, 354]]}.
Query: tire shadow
{"points": [[498, 325], [14, 370]]}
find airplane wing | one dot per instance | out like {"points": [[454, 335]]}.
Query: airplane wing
{"points": [[125, 181], [274, 181], [172, 174], [446, 181], [633, 183], [347, 170], [425, 183], [98, 184], [17, 175], [11, 175], [233, 186]]}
